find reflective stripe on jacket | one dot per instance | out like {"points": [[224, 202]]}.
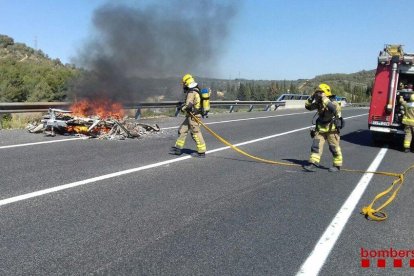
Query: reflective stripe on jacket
{"points": [[408, 118]]}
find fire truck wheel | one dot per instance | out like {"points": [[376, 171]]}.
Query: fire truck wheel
{"points": [[379, 139]]}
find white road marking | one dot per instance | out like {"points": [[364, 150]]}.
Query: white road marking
{"points": [[256, 118], [273, 136], [87, 181], [43, 142], [211, 123], [247, 119], [323, 247], [124, 172]]}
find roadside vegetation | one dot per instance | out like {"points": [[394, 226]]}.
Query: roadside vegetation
{"points": [[29, 75]]}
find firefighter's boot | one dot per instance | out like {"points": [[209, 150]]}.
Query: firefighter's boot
{"points": [[176, 151], [334, 169], [311, 167], [199, 154]]}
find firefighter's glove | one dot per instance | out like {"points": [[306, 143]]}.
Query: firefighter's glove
{"points": [[317, 96], [325, 100], [181, 107], [187, 108]]}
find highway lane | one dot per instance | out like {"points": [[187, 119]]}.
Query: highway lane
{"points": [[221, 215], [77, 160], [397, 232], [49, 165]]}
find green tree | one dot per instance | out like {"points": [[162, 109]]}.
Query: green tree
{"points": [[292, 88], [272, 91], [41, 92], [6, 41], [244, 93]]}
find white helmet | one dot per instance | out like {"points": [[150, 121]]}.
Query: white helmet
{"points": [[192, 85]]}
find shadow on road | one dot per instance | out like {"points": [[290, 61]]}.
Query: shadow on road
{"points": [[363, 137], [235, 159], [185, 151], [293, 161], [303, 162]]}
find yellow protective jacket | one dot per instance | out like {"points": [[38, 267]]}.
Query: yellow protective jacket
{"points": [[327, 111], [192, 102], [408, 118]]}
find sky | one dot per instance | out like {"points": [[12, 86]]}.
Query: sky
{"points": [[267, 39]]}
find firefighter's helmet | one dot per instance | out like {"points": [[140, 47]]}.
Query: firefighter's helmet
{"points": [[326, 89], [187, 80]]}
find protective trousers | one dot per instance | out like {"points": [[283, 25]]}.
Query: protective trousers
{"points": [[317, 148], [409, 130], [190, 125]]}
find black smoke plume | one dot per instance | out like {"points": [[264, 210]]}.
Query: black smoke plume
{"points": [[142, 51]]}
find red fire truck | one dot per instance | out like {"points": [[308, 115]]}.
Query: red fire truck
{"points": [[394, 78]]}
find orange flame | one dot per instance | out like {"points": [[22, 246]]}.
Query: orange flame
{"points": [[79, 129], [103, 108]]}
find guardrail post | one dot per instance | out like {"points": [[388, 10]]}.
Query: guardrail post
{"points": [[231, 108], [250, 108], [138, 113], [177, 111]]}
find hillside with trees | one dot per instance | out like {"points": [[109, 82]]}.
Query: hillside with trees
{"points": [[356, 87], [27, 74], [30, 75]]}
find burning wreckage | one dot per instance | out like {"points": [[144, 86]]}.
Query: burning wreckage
{"points": [[99, 119]]}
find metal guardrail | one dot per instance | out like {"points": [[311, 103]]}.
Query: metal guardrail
{"points": [[232, 105], [285, 97], [44, 106], [31, 107]]}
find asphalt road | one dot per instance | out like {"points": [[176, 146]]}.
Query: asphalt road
{"points": [[129, 208]]}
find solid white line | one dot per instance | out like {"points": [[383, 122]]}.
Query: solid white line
{"points": [[87, 181], [323, 247], [211, 123], [116, 174], [274, 135], [247, 119], [256, 118], [355, 116], [44, 142]]}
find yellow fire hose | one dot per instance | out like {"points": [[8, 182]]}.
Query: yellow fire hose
{"points": [[369, 211]]}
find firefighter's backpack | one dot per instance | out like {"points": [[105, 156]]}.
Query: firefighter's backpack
{"points": [[205, 101]]}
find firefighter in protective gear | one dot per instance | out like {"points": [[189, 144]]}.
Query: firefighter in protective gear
{"points": [[326, 128], [408, 121], [192, 104]]}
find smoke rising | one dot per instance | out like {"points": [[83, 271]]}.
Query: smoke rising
{"points": [[137, 52]]}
